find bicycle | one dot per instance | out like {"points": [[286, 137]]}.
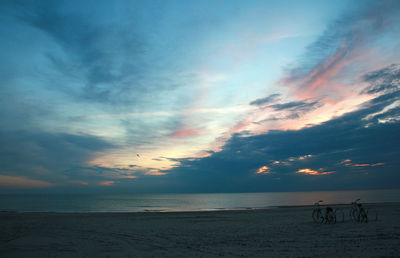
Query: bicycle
{"points": [[317, 213], [319, 217], [358, 213], [330, 215]]}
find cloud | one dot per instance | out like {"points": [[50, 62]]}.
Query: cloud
{"points": [[155, 172], [267, 100], [283, 155], [368, 165], [326, 81], [384, 80], [78, 182], [296, 105], [393, 106], [107, 183], [308, 171], [94, 174], [292, 152], [45, 156], [349, 163], [342, 45], [86, 54], [109, 67], [22, 182], [292, 115], [92, 52], [184, 131], [264, 170]]}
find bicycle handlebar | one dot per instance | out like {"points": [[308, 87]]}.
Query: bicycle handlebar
{"points": [[317, 203]]}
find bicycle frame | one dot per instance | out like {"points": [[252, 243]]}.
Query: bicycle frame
{"points": [[357, 212], [328, 217]]}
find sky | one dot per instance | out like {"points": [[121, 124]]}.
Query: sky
{"points": [[199, 96]]}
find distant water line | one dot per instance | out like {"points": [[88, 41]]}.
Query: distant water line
{"points": [[184, 202]]}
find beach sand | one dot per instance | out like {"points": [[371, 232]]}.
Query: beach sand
{"points": [[287, 232]]}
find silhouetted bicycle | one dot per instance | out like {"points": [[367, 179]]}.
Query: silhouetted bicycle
{"points": [[317, 213], [358, 213], [319, 217]]}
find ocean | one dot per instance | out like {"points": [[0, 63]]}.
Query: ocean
{"points": [[185, 202]]}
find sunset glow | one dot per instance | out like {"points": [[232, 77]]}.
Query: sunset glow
{"points": [[264, 170], [309, 171], [199, 96]]}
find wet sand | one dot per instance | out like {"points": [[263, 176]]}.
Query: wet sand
{"points": [[287, 232]]}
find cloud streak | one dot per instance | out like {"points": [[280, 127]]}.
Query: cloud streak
{"points": [[22, 182], [91, 57], [199, 93], [308, 171], [267, 100], [327, 80], [343, 44], [41, 159], [301, 106], [298, 152], [383, 80]]}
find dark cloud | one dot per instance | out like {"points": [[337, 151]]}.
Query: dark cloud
{"points": [[93, 52], [384, 80], [295, 105], [179, 160], [321, 148], [267, 100], [293, 115], [82, 57], [90, 55], [97, 173], [293, 110], [44, 156]]}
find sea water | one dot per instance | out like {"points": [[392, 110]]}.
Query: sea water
{"points": [[185, 202]]}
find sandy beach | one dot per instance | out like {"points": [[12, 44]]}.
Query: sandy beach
{"points": [[287, 232]]}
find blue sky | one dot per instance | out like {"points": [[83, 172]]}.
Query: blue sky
{"points": [[189, 96]]}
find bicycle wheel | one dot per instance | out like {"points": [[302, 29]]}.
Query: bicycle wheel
{"points": [[314, 216], [351, 215], [317, 216], [330, 218], [355, 216], [363, 216]]}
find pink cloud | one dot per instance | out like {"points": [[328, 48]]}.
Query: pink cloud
{"points": [[22, 182], [308, 171], [130, 177], [106, 183], [368, 165], [321, 77], [155, 172], [264, 170], [184, 132], [348, 163]]}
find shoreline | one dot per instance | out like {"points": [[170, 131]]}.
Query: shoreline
{"points": [[288, 232], [340, 205]]}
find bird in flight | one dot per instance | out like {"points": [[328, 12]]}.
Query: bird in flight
{"points": [[137, 154]]}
